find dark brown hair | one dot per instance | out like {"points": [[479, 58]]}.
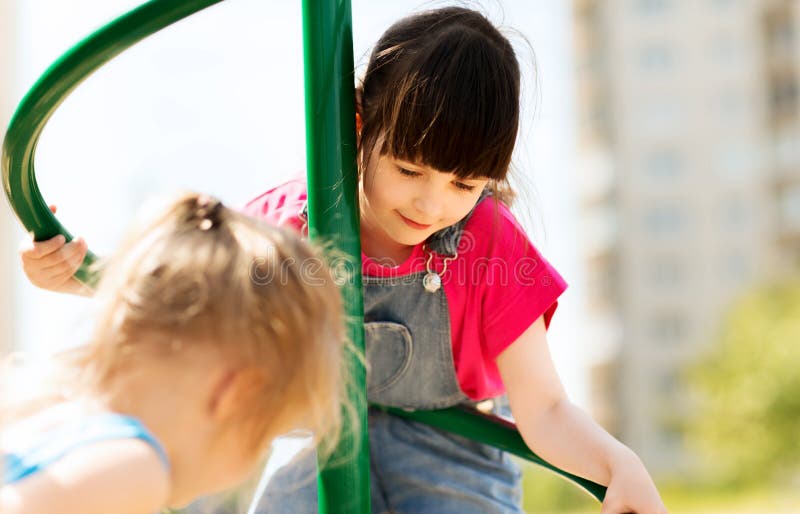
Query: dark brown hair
{"points": [[442, 89]]}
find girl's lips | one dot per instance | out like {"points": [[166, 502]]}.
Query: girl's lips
{"points": [[414, 224]]}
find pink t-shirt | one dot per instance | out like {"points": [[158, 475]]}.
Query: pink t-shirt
{"points": [[496, 288]]}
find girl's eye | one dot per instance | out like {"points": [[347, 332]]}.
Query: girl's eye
{"points": [[464, 187], [409, 173]]}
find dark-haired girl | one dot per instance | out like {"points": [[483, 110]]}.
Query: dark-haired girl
{"points": [[457, 299]]}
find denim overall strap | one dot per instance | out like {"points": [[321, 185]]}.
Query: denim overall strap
{"points": [[408, 345]]}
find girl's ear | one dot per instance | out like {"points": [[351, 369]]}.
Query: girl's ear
{"points": [[359, 93], [359, 124], [359, 113], [231, 389]]}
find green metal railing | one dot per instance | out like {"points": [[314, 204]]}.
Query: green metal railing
{"points": [[333, 205], [333, 216]]}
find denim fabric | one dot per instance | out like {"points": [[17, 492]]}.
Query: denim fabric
{"points": [[414, 469], [407, 332]]}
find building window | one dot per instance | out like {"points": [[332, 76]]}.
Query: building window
{"points": [[732, 103], [664, 220], [783, 96], [661, 117], [723, 4], [655, 58], [651, 7], [738, 160], [664, 165], [787, 148], [790, 208], [781, 39], [667, 272], [727, 50], [780, 31], [668, 328], [670, 383], [737, 266], [735, 213]]}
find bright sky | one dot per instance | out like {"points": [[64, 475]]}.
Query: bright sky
{"points": [[215, 103]]}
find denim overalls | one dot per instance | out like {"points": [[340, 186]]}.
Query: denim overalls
{"points": [[413, 468]]}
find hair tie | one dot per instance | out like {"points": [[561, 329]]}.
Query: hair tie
{"points": [[206, 213]]}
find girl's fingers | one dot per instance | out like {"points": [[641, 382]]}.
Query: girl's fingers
{"points": [[63, 276], [58, 274], [30, 249], [65, 258]]}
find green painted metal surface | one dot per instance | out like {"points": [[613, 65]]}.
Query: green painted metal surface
{"points": [[493, 431], [343, 482], [52, 88]]}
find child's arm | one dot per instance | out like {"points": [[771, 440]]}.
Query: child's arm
{"points": [[564, 435], [121, 476]]}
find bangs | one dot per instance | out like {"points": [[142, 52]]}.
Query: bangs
{"points": [[456, 108]]}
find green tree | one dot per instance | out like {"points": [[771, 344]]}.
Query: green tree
{"points": [[746, 391]]}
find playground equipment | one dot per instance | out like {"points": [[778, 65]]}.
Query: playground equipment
{"points": [[331, 160]]}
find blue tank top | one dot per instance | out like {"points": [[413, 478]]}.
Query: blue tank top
{"points": [[57, 443]]}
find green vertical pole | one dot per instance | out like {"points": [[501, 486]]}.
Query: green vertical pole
{"points": [[334, 216]]}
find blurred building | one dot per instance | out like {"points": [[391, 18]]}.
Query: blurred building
{"points": [[690, 169], [7, 232], [781, 39]]}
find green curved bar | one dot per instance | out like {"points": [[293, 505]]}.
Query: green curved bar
{"points": [[491, 430], [52, 88]]}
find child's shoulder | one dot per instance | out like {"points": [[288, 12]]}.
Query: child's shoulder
{"points": [[280, 205], [92, 479], [290, 193], [491, 211], [493, 231]]}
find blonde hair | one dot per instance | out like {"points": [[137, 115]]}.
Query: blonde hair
{"points": [[201, 276]]}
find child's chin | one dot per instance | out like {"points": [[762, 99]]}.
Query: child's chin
{"points": [[412, 240]]}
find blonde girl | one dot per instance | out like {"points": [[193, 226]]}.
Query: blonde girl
{"points": [[216, 333]]}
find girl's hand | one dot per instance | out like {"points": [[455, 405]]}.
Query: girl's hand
{"points": [[51, 264], [631, 489]]}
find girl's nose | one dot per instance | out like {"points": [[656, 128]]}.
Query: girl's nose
{"points": [[428, 204]]}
